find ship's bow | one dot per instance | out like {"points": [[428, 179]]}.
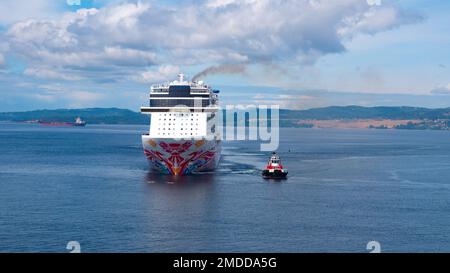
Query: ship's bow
{"points": [[181, 156]]}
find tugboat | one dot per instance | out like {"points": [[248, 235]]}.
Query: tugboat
{"points": [[274, 169]]}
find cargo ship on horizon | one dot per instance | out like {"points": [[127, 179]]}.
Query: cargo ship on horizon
{"points": [[78, 123], [182, 138]]}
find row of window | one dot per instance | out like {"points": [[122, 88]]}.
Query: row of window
{"points": [[170, 124], [179, 114], [181, 134], [185, 119], [196, 129], [179, 102]]}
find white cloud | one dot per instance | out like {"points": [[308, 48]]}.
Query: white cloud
{"points": [[57, 92], [224, 3], [163, 73], [41, 34], [2, 61], [44, 97], [374, 20], [127, 56], [45, 73], [289, 101], [125, 15], [124, 39], [441, 90], [52, 87], [83, 96], [298, 97], [259, 96], [12, 11], [76, 99], [105, 57]]}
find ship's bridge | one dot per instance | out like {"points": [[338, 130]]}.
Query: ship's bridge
{"points": [[181, 95]]}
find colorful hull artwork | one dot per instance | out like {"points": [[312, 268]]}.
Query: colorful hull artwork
{"points": [[181, 157]]}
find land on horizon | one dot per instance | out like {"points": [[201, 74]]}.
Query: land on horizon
{"points": [[380, 117]]}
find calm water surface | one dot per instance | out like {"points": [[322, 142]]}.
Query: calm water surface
{"points": [[345, 188]]}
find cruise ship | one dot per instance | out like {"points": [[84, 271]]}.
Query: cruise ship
{"points": [[183, 138]]}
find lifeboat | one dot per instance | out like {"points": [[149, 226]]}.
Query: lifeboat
{"points": [[274, 169]]}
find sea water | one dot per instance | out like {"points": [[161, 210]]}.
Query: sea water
{"points": [[345, 188]]}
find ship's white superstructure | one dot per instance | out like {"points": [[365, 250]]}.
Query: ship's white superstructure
{"points": [[182, 138], [178, 125]]}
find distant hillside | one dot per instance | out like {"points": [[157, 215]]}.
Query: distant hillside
{"points": [[359, 112], [91, 115], [288, 118]]}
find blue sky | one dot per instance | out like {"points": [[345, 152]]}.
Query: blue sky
{"points": [[295, 53]]}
